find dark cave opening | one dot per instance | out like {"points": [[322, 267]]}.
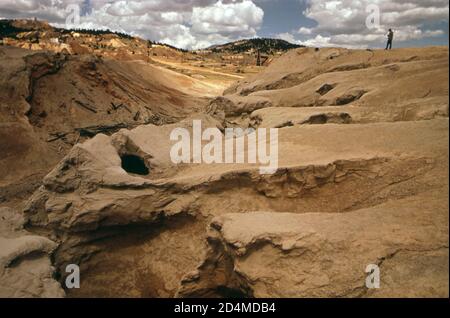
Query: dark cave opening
{"points": [[134, 164]]}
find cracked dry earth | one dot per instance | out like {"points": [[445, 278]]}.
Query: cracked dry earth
{"points": [[362, 179]]}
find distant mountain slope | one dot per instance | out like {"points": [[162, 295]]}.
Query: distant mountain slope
{"points": [[264, 45], [12, 28]]}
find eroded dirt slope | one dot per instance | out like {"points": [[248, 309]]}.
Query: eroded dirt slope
{"points": [[49, 102]]}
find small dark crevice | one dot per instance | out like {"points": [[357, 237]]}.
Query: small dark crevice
{"points": [[331, 118], [30, 256], [324, 89], [318, 119], [350, 97], [286, 124]]}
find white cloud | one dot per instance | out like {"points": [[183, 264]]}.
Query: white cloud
{"points": [[343, 22], [287, 37], [240, 18], [305, 31], [183, 23]]}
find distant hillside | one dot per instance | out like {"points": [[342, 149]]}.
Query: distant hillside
{"points": [[10, 28], [264, 45], [39, 35], [13, 28]]}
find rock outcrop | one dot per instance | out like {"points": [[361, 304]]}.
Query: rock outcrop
{"points": [[374, 85], [25, 265], [266, 254], [92, 206], [49, 102]]}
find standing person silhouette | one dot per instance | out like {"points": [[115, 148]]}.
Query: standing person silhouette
{"points": [[390, 39]]}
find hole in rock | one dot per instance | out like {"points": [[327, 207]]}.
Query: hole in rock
{"points": [[318, 119], [342, 118], [134, 164], [324, 89]]}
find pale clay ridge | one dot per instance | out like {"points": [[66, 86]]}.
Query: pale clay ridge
{"points": [[378, 158]]}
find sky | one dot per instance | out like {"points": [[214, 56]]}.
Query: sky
{"points": [[195, 24]]}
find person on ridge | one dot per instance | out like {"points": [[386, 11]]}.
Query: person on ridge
{"points": [[390, 39]]}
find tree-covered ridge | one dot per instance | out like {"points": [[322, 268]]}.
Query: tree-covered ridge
{"points": [[8, 30], [95, 32], [264, 45]]}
